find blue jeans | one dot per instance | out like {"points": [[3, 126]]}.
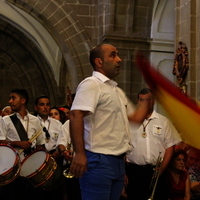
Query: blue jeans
{"points": [[104, 179]]}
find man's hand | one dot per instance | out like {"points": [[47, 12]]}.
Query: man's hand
{"points": [[78, 165], [24, 144], [68, 155]]}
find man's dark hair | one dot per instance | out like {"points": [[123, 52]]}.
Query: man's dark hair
{"points": [[96, 52], [144, 91], [40, 97], [23, 93]]}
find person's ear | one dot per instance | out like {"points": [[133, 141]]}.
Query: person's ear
{"points": [[23, 100], [98, 62]]}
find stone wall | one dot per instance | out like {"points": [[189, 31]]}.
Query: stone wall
{"points": [[78, 25], [187, 31]]}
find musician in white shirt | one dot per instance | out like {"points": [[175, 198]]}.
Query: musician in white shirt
{"points": [[155, 135], [53, 127], [9, 135]]}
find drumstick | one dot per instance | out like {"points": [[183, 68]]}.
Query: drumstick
{"points": [[32, 139]]}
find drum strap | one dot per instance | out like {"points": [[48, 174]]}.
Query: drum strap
{"points": [[19, 127], [21, 131]]}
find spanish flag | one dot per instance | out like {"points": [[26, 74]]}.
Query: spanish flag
{"points": [[184, 112]]}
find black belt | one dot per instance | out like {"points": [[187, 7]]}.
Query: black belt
{"points": [[142, 166]]}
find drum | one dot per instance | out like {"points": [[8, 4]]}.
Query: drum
{"points": [[10, 164], [39, 169]]}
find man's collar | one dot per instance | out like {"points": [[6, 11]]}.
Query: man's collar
{"points": [[25, 116], [104, 78], [154, 115], [42, 119]]}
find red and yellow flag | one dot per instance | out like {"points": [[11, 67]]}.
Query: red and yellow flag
{"points": [[184, 113]]}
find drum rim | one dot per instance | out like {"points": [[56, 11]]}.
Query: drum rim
{"points": [[15, 168], [17, 159], [50, 162], [40, 168]]}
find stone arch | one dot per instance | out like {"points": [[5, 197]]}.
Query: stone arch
{"points": [[20, 67], [64, 26], [66, 29]]}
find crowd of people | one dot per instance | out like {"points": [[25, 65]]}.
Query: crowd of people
{"points": [[102, 147]]}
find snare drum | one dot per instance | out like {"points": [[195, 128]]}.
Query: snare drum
{"points": [[10, 164], [38, 169]]}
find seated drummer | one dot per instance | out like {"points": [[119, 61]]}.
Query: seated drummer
{"points": [[21, 126], [52, 127], [17, 131]]}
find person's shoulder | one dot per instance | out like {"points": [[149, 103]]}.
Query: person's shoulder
{"points": [[66, 123], [120, 89], [160, 116], [32, 116], [7, 117], [90, 78], [89, 81], [54, 121], [88, 84]]}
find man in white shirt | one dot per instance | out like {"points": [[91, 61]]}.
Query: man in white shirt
{"points": [[52, 127], [31, 125], [156, 135], [99, 128], [19, 131]]}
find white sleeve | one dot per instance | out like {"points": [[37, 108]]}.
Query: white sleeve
{"points": [[2, 130], [64, 136], [87, 96]]}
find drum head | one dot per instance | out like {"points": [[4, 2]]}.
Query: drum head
{"points": [[32, 163], [7, 158]]}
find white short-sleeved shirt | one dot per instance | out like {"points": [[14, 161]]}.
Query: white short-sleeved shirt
{"points": [[161, 134], [54, 128], [31, 124], [106, 128], [64, 137]]}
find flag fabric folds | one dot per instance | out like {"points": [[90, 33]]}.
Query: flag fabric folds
{"points": [[184, 113]]}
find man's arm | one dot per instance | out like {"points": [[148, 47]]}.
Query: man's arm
{"points": [[140, 113], [187, 189], [79, 162], [21, 144], [167, 157], [65, 152]]}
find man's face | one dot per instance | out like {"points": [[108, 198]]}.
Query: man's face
{"points": [[43, 107], [111, 61], [148, 98], [16, 102], [193, 158], [66, 111]]}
